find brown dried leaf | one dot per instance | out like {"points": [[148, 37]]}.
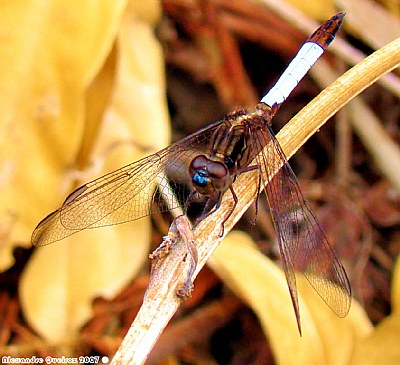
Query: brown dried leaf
{"points": [[381, 203]]}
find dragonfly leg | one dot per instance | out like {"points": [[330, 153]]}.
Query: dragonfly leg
{"points": [[212, 204], [194, 195], [235, 201], [257, 199], [215, 206]]}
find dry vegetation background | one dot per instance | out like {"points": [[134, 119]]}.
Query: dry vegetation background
{"points": [[86, 87]]}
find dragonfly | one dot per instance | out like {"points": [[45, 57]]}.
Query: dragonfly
{"points": [[211, 159]]}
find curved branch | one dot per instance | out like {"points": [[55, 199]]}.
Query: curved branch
{"points": [[161, 301]]}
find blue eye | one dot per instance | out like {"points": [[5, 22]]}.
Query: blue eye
{"points": [[200, 179]]}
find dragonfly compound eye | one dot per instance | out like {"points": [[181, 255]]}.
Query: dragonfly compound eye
{"points": [[217, 170], [198, 163]]}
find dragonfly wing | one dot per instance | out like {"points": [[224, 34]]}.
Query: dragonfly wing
{"points": [[123, 195], [302, 242]]}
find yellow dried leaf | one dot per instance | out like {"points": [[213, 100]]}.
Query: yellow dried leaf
{"points": [[139, 99], [396, 287], [326, 338], [62, 279], [263, 286], [316, 9], [382, 346], [50, 52], [338, 335]]}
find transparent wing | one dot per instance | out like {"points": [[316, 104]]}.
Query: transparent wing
{"points": [[126, 194], [302, 242]]}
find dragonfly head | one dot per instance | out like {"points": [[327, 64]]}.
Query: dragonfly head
{"points": [[209, 176]]}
